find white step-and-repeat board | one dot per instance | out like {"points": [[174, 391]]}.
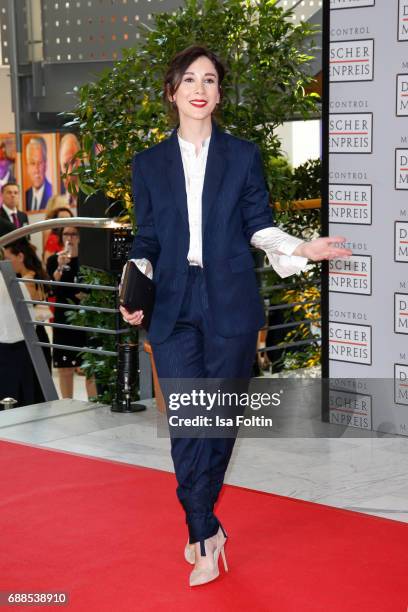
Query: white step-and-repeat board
{"points": [[368, 203]]}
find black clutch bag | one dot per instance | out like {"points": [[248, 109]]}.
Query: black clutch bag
{"points": [[137, 293]]}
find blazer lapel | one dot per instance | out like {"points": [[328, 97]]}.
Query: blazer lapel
{"points": [[214, 172], [175, 174]]}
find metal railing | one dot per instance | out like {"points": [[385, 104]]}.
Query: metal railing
{"points": [[34, 345], [145, 385], [302, 283], [265, 291]]}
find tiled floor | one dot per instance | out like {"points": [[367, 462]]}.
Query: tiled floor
{"points": [[363, 474]]}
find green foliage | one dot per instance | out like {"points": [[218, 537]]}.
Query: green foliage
{"points": [[304, 182], [308, 310], [288, 184], [308, 180], [102, 368], [280, 175], [123, 111]]}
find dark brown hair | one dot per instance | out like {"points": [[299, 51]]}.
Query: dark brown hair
{"points": [[12, 183], [31, 260], [54, 212], [178, 66]]}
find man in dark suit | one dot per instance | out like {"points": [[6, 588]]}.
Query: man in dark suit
{"points": [[40, 191], [9, 210]]}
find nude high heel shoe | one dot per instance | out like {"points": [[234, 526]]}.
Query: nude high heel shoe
{"points": [[189, 552], [215, 547]]}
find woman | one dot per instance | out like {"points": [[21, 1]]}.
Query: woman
{"points": [[52, 238], [64, 267], [27, 264], [200, 202], [17, 373]]}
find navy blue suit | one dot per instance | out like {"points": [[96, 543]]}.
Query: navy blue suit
{"points": [[235, 205], [205, 320]]}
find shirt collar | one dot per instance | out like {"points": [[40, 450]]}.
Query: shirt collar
{"points": [[9, 210], [189, 146], [39, 192]]}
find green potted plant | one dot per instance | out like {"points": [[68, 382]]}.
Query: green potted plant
{"points": [[122, 112]]}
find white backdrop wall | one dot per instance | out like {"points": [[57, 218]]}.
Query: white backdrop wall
{"points": [[301, 140], [368, 202]]}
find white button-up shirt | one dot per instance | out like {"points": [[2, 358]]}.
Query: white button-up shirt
{"points": [[37, 197], [194, 171], [277, 244]]}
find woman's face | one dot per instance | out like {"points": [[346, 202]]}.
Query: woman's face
{"points": [[71, 235], [17, 261], [197, 94]]}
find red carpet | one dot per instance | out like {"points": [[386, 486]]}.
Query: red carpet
{"points": [[112, 535]]}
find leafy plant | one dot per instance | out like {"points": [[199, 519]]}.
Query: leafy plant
{"points": [[122, 111], [303, 182], [266, 55], [101, 367], [308, 180]]}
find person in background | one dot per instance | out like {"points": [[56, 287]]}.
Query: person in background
{"points": [[26, 264], [52, 238], [69, 146], [37, 196], [64, 266], [57, 201], [17, 378], [9, 210]]}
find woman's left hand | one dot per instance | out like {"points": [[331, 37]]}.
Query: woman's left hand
{"points": [[323, 248]]}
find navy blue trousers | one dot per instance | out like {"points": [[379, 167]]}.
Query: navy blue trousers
{"points": [[195, 350]]}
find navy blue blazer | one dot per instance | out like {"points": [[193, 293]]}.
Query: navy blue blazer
{"points": [[235, 205]]}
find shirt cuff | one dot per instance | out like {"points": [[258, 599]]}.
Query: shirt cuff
{"points": [[279, 246], [286, 265], [275, 240], [288, 245]]}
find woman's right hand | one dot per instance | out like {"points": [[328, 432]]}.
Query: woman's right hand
{"points": [[63, 259], [133, 318]]}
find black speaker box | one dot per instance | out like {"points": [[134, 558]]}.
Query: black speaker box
{"points": [[102, 249]]}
